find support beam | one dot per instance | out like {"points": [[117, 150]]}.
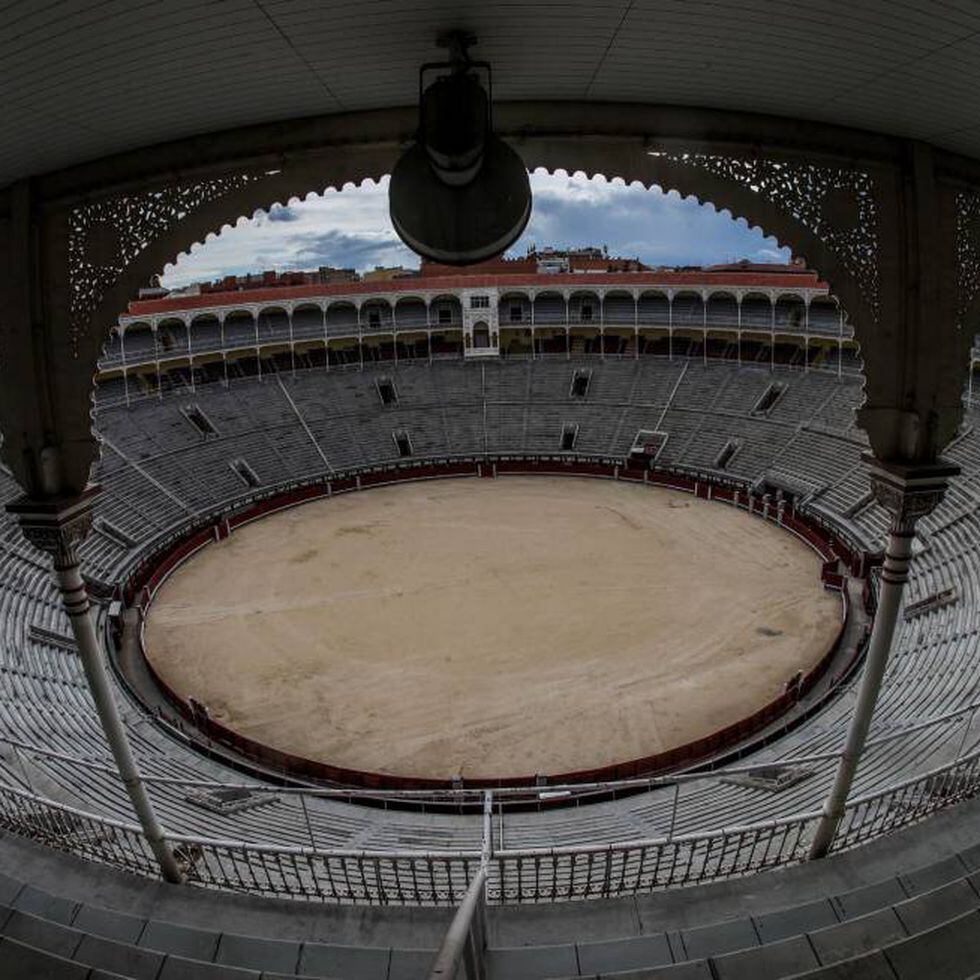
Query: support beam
{"points": [[55, 526], [908, 493]]}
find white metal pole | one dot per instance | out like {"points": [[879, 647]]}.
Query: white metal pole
{"points": [[894, 575], [55, 530], [909, 492]]}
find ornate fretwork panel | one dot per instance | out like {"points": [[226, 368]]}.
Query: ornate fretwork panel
{"points": [[104, 237], [967, 251], [836, 204]]}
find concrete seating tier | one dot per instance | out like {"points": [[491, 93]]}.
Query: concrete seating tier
{"points": [[159, 469]]}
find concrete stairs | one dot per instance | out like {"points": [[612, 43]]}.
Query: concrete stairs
{"points": [[902, 908], [914, 925]]}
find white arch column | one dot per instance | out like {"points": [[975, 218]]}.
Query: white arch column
{"points": [[360, 339], [55, 526], [840, 341], [909, 493], [636, 326], [326, 338], [258, 351], [156, 356], [428, 326], [772, 333], [704, 328], [738, 334], [190, 350], [602, 323], [806, 333], [224, 350]]}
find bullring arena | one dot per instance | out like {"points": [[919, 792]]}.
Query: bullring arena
{"points": [[449, 628], [707, 482]]}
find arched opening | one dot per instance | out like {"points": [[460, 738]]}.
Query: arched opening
{"points": [[514, 308], [239, 330], [205, 334]]}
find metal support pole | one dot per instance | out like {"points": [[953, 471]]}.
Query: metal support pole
{"points": [[306, 818], [673, 811], [55, 527], [464, 939], [910, 493]]}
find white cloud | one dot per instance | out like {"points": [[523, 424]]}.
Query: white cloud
{"points": [[352, 228]]}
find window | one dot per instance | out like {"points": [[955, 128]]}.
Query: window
{"points": [[580, 384], [516, 313], [481, 335], [374, 317], [402, 442], [727, 454], [770, 398], [445, 315], [568, 433], [586, 312], [479, 302], [199, 420], [386, 391], [245, 473]]}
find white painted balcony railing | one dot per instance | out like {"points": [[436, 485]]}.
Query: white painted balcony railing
{"points": [[427, 877]]}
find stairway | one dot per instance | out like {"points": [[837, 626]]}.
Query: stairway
{"points": [[902, 908]]}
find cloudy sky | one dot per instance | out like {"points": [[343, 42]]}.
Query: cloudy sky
{"points": [[352, 228]]}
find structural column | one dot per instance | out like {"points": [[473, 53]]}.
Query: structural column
{"points": [[55, 526], [908, 492]]}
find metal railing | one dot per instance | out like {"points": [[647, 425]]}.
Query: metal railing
{"points": [[526, 875]]}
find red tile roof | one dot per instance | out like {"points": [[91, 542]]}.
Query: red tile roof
{"points": [[729, 279]]}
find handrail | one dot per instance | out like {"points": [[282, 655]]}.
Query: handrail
{"points": [[464, 938], [524, 874]]}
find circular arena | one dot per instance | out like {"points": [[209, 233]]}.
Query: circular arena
{"points": [[446, 629]]}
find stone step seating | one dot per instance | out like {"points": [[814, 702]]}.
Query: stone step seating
{"points": [[45, 936], [920, 923], [917, 924]]}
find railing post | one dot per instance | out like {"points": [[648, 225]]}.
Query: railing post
{"points": [[464, 940], [909, 493], [55, 526], [673, 811]]}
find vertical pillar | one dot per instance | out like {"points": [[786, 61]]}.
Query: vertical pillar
{"points": [[840, 342], [326, 340], [772, 335], [258, 351], [908, 492], [224, 352], [704, 329], [806, 335], [55, 526]]}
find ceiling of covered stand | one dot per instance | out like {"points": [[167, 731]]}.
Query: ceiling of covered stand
{"points": [[84, 78]]}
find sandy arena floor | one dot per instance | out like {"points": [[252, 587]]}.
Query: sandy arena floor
{"points": [[492, 627]]}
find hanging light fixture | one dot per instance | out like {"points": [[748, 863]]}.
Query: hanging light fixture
{"points": [[459, 194]]}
